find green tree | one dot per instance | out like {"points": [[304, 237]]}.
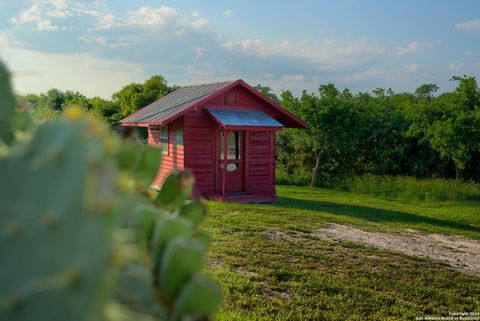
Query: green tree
{"points": [[333, 134], [135, 96], [105, 109], [267, 92], [426, 91], [451, 124], [290, 141]]}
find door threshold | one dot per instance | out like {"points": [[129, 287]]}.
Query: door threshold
{"points": [[238, 193]]}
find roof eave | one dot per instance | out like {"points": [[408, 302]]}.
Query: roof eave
{"points": [[293, 117], [142, 124], [252, 128]]}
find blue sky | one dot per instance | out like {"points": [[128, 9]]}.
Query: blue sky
{"points": [[98, 46]]}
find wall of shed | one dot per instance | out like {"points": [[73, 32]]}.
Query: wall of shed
{"points": [[200, 151], [261, 167], [174, 159], [260, 149], [200, 154], [244, 100]]}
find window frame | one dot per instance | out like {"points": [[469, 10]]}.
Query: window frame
{"points": [[164, 139], [177, 132], [236, 156]]}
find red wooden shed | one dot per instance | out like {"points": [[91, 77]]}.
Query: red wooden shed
{"points": [[190, 125]]}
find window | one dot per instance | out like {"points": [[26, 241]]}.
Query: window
{"points": [[164, 138], [179, 137], [233, 145]]}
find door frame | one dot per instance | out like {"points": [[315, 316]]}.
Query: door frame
{"points": [[244, 159]]}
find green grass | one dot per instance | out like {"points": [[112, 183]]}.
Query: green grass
{"points": [[410, 188], [303, 278]]}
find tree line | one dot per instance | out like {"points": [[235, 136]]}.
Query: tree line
{"points": [[421, 134], [418, 134], [123, 102]]}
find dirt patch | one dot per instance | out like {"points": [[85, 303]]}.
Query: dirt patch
{"points": [[458, 252], [272, 294], [243, 271], [214, 262]]}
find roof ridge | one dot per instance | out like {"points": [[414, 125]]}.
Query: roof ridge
{"points": [[211, 83]]}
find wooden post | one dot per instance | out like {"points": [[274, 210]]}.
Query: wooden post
{"points": [[271, 163], [225, 146], [246, 160], [174, 146]]}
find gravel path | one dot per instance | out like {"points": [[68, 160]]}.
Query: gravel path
{"points": [[458, 252]]}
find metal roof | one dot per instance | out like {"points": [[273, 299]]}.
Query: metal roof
{"points": [[174, 102], [253, 118]]}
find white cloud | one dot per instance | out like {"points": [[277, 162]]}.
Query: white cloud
{"points": [[464, 68], [34, 71], [59, 3], [456, 67], [248, 46], [413, 47], [42, 10], [4, 42], [467, 53], [328, 52], [105, 41], [46, 25], [179, 46], [164, 17], [199, 23], [60, 13], [54, 14], [106, 21], [412, 68], [32, 14], [199, 52], [227, 13], [472, 25], [151, 17]]}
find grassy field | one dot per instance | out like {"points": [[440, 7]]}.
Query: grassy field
{"points": [[304, 278]]}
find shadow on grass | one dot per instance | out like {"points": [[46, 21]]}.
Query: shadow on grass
{"points": [[368, 213]]}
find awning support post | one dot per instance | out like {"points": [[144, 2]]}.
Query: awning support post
{"points": [[225, 146]]}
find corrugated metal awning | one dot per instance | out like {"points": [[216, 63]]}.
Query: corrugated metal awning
{"points": [[243, 118]]}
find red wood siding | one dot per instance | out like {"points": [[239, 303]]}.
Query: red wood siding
{"points": [[174, 159], [200, 149], [243, 100], [260, 163]]}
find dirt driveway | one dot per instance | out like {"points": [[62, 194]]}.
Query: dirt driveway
{"points": [[460, 253]]}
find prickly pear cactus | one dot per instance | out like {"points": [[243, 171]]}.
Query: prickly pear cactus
{"points": [[164, 279], [56, 224], [7, 109], [82, 237]]}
